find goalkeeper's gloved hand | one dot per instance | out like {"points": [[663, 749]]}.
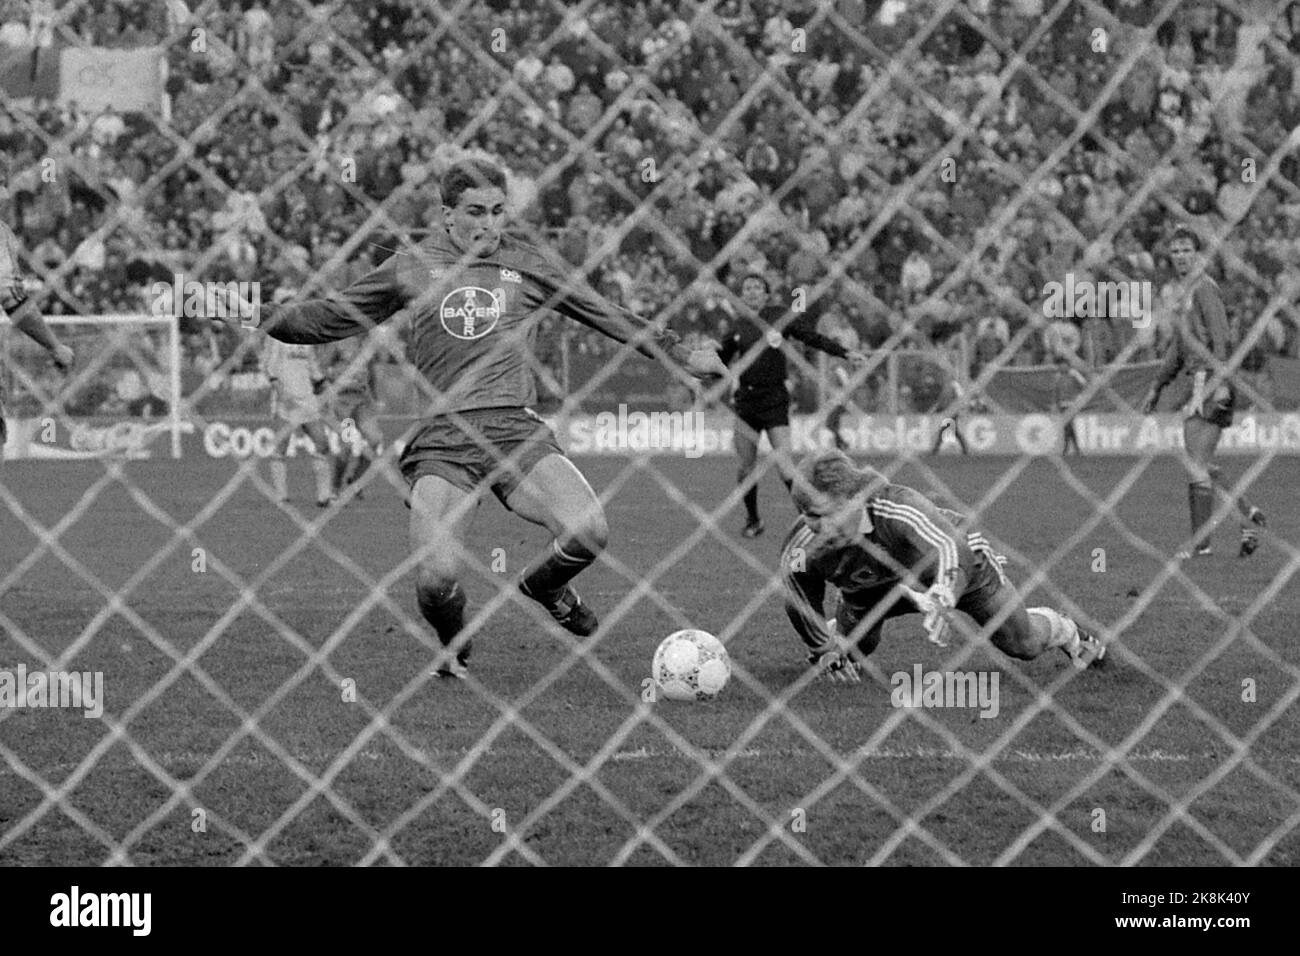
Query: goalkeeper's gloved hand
{"points": [[835, 665], [936, 604], [833, 662]]}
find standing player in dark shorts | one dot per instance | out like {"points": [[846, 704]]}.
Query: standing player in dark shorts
{"points": [[762, 402], [1061, 396], [1199, 353], [476, 296], [866, 536], [350, 376], [21, 310]]}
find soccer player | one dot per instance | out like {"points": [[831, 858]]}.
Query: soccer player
{"points": [[1061, 396], [1199, 353], [867, 536], [841, 376], [952, 401], [351, 381], [762, 402], [295, 376], [476, 295], [21, 310]]}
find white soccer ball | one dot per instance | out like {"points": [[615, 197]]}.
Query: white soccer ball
{"points": [[691, 665]]}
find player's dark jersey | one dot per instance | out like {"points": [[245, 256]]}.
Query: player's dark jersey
{"points": [[474, 320], [767, 369], [1202, 339], [902, 532]]}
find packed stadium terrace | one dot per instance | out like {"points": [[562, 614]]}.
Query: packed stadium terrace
{"points": [[239, 174]]}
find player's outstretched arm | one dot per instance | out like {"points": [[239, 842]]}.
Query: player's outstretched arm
{"points": [[570, 298], [914, 519], [801, 329], [374, 298]]}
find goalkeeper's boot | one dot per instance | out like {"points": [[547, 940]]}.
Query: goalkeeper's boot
{"points": [[1090, 652], [1250, 533], [753, 528], [568, 609]]}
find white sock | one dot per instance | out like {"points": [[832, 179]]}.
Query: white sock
{"points": [[280, 479], [1061, 631], [320, 465]]}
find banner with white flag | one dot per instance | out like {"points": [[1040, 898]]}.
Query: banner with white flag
{"points": [[97, 78]]}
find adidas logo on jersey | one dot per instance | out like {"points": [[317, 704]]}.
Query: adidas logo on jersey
{"points": [[510, 275]]}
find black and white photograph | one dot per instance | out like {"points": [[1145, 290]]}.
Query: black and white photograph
{"points": [[645, 433]]}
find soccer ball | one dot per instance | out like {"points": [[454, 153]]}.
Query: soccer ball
{"points": [[691, 665]]}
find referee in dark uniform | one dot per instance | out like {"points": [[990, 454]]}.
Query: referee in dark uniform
{"points": [[755, 352]]}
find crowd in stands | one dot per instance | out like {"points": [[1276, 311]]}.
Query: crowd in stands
{"points": [[764, 135]]}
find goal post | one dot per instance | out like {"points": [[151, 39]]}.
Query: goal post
{"points": [[122, 396]]}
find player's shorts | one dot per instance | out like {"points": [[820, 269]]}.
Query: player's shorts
{"points": [[1220, 412], [493, 447], [12, 294], [986, 579], [762, 409], [295, 407]]}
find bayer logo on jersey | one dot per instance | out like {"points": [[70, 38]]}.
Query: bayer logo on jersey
{"points": [[471, 312]]}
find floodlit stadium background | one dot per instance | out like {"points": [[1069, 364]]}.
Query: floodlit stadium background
{"points": [[913, 172]]}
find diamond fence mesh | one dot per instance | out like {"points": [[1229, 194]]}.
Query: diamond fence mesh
{"points": [[912, 175]]}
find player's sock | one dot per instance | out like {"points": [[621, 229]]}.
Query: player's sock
{"points": [[546, 578], [1221, 488], [751, 504], [1200, 501], [358, 467], [444, 608], [322, 468], [280, 478]]}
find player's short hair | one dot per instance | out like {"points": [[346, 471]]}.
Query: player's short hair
{"points": [[469, 174], [757, 277], [832, 474], [1183, 233]]}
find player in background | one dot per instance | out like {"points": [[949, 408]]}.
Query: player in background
{"points": [[351, 381], [476, 295], [1198, 355], [867, 536], [18, 307], [951, 403], [841, 375], [295, 375], [755, 350], [1061, 397]]}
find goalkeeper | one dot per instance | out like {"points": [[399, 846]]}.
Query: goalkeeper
{"points": [[891, 551]]}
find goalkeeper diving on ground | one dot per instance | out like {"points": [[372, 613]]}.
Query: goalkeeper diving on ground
{"points": [[891, 551]]}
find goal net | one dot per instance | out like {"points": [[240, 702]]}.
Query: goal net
{"points": [[123, 398]]}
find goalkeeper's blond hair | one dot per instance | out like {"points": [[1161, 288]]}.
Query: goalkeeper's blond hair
{"points": [[833, 474]]}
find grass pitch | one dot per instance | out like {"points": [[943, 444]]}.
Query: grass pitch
{"points": [[1181, 752]]}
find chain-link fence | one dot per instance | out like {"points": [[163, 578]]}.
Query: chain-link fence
{"points": [[912, 178]]}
